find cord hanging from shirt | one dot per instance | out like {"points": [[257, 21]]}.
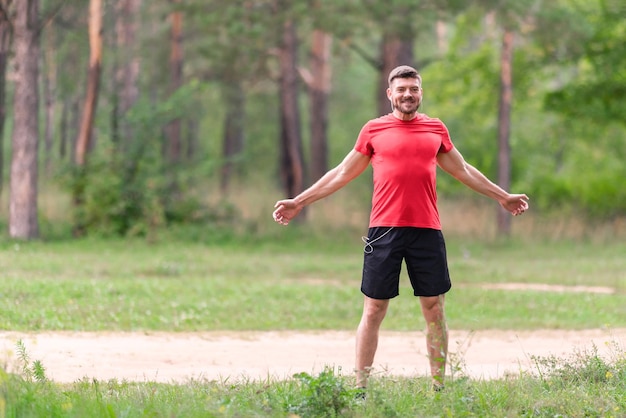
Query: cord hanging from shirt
{"points": [[368, 248]]}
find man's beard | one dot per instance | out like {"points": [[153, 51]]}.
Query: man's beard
{"points": [[408, 107]]}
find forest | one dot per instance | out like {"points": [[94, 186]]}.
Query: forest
{"points": [[139, 115]]}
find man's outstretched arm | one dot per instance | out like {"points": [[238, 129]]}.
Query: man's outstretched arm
{"points": [[351, 166], [454, 163]]}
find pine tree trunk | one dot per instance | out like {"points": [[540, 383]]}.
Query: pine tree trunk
{"points": [[291, 162], [5, 45], [395, 51], [63, 127], [23, 223], [173, 128], [504, 126], [232, 143], [127, 67], [85, 133], [319, 89], [49, 88]]}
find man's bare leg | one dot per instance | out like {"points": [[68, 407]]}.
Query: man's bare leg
{"points": [[374, 311], [436, 336]]}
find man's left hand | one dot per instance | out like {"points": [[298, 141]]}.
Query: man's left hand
{"points": [[516, 204]]}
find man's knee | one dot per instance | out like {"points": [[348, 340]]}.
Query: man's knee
{"points": [[374, 310], [432, 308]]}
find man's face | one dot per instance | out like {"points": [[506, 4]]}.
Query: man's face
{"points": [[405, 95]]}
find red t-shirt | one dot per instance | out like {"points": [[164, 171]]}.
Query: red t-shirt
{"points": [[404, 159]]}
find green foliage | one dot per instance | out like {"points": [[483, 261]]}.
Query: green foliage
{"points": [[131, 189], [556, 191], [568, 58], [603, 197], [324, 395], [566, 164], [597, 91], [585, 178]]}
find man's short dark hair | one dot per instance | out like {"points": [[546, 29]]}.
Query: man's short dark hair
{"points": [[403, 71]]}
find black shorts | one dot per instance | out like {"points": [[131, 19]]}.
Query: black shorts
{"points": [[422, 249]]}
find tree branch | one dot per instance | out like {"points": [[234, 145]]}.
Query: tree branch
{"points": [[46, 20], [374, 62]]}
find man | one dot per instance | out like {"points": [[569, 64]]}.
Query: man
{"points": [[404, 148]]}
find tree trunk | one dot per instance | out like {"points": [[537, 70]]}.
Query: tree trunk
{"points": [[442, 37], [395, 51], [93, 82], [173, 128], [291, 160], [85, 133], [49, 88], [63, 123], [23, 223], [127, 66], [319, 89], [232, 144], [5, 45], [68, 129], [504, 126]]}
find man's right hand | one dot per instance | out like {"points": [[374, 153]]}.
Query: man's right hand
{"points": [[286, 210]]}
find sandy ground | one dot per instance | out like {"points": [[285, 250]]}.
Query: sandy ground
{"points": [[234, 357]]}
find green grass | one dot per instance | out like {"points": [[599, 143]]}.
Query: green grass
{"points": [[583, 386], [308, 284], [298, 279]]}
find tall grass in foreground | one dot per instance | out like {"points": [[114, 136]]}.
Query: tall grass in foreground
{"points": [[585, 385]]}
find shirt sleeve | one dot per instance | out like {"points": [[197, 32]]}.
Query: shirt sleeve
{"points": [[446, 142], [363, 141]]}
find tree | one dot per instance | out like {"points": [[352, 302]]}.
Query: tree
{"points": [[401, 23], [85, 134], [232, 40], [127, 67], [511, 16], [49, 87], [396, 48], [23, 222], [397, 22], [318, 80], [233, 137], [598, 62], [5, 45], [173, 128], [291, 159], [504, 125]]}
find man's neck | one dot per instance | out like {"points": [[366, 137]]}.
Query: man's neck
{"points": [[404, 116]]}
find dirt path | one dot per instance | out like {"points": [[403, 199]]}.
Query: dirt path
{"points": [[176, 357]]}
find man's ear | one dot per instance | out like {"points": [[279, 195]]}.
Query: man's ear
{"points": [[388, 93]]}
